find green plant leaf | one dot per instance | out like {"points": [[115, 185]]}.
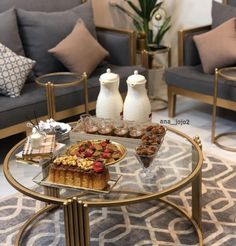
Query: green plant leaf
{"points": [[166, 22], [141, 4], [150, 36], [124, 10], [135, 8], [155, 9], [136, 21], [137, 26], [162, 31], [152, 5]]}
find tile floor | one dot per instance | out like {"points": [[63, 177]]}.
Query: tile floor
{"points": [[199, 117]]}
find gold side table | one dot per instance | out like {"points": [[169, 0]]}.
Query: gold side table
{"points": [[61, 80], [228, 74], [147, 58]]}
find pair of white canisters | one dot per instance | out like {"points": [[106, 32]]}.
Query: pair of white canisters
{"points": [[136, 106]]}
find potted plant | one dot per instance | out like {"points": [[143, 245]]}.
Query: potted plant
{"points": [[142, 16]]}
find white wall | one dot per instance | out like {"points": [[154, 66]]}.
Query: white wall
{"points": [[185, 13]]}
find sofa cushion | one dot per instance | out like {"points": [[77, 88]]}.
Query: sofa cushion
{"points": [[231, 2], [41, 5], [192, 78], [9, 32], [33, 98], [221, 13], [79, 51], [41, 31], [217, 47], [14, 70]]}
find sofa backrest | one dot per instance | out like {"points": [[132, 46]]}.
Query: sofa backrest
{"points": [[39, 5], [232, 2]]}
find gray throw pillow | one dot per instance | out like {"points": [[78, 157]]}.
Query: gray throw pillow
{"points": [[14, 70], [79, 51], [9, 33], [41, 31], [221, 13], [217, 47]]}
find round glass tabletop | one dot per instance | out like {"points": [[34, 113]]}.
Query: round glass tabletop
{"points": [[60, 79], [228, 73], [177, 163]]}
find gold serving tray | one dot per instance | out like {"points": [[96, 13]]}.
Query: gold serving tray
{"points": [[119, 146], [40, 180]]}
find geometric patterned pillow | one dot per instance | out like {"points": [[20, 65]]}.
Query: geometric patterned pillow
{"points": [[14, 70]]}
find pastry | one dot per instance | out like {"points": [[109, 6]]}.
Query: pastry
{"points": [[73, 171]]}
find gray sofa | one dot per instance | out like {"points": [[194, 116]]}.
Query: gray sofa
{"points": [[15, 111], [188, 79]]}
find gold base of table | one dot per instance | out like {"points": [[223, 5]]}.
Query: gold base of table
{"points": [[216, 141], [48, 208], [31, 220], [189, 218]]}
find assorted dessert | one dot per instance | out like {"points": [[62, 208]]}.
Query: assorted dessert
{"points": [[146, 153], [84, 164], [150, 143], [79, 172], [153, 135], [105, 150]]}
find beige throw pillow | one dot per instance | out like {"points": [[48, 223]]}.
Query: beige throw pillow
{"points": [[79, 51], [217, 48]]}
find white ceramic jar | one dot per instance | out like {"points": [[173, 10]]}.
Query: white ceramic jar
{"points": [[36, 140], [137, 106], [109, 102]]}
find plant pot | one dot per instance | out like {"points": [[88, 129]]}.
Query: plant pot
{"points": [[155, 47]]}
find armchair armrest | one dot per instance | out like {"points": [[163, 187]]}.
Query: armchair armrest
{"points": [[120, 43], [188, 54]]}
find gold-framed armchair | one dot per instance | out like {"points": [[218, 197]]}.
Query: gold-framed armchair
{"points": [[189, 80]]}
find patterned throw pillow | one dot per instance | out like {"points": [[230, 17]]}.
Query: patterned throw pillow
{"points": [[14, 70]]}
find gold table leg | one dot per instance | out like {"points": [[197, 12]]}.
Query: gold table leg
{"points": [[197, 192], [197, 199], [50, 100], [76, 219], [213, 128], [85, 77], [169, 57]]}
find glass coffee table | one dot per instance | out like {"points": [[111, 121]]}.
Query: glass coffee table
{"points": [[177, 164]]}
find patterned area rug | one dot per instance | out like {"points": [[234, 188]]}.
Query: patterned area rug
{"points": [[150, 223]]}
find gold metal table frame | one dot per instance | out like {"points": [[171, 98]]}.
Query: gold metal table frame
{"points": [[50, 88], [76, 209], [223, 74]]}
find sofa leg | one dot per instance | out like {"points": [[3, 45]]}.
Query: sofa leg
{"points": [[171, 102]]}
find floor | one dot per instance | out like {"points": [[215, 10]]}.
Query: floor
{"points": [[192, 118]]}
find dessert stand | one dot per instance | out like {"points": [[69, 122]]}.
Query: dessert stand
{"points": [[76, 204]]}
